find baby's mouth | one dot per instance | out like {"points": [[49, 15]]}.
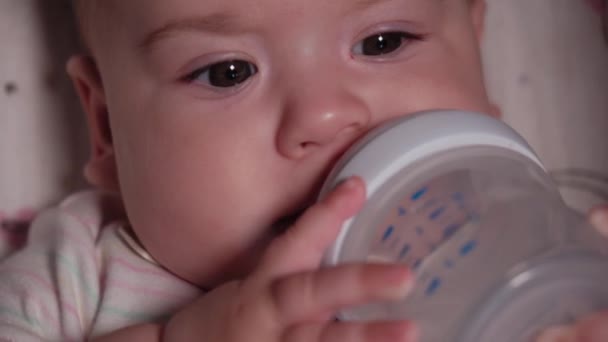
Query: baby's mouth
{"points": [[283, 224]]}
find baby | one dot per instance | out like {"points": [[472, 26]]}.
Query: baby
{"points": [[213, 124]]}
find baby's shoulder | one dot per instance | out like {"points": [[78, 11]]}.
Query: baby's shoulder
{"points": [[55, 284], [83, 214]]}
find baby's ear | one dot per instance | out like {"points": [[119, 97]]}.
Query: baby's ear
{"points": [[478, 15], [100, 170]]}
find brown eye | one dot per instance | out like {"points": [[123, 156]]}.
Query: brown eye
{"points": [[383, 43], [224, 74]]}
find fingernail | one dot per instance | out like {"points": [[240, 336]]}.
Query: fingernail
{"points": [[558, 334], [400, 282]]}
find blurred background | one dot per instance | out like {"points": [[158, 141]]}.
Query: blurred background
{"points": [[546, 65]]}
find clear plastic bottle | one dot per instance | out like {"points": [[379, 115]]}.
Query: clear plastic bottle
{"points": [[463, 200]]}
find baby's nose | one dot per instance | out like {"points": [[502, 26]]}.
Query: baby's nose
{"points": [[320, 117]]}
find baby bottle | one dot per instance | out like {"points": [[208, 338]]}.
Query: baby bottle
{"points": [[463, 200]]}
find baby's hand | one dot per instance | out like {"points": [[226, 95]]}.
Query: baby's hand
{"points": [[599, 219], [593, 328], [288, 298]]}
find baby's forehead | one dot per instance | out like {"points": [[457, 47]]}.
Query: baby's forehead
{"points": [[96, 8], [99, 18]]}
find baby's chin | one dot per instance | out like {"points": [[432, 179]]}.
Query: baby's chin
{"points": [[239, 268], [245, 263], [241, 262], [283, 223]]}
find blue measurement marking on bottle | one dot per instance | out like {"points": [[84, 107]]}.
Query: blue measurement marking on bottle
{"points": [[449, 264], [417, 264], [419, 230], [401, 211], [433, 286], [435, 214], [388, 233], [404, 250], [468, 247], [450, 230], [418, 194]]}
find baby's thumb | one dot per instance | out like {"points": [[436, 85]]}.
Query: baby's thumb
{"points": [[598, 217], [593, 328]]}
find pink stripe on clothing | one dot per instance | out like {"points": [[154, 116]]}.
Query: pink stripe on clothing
{"points": [[49, 318], [89, 224], [159, 294], [79, 278], [44, 286]]}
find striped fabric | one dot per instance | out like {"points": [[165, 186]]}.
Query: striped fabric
{"points": [[78, 277]]}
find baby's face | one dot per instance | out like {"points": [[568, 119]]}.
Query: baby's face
{"points": [[226, 115]]}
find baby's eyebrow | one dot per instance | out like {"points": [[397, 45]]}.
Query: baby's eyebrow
{"points": [[227, 22], [221, 22]]}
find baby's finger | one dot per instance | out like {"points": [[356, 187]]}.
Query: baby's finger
{"points": [[599, 219], [593, 328], [396, 331], [565, 333], [306, 296], [302, 247]]}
